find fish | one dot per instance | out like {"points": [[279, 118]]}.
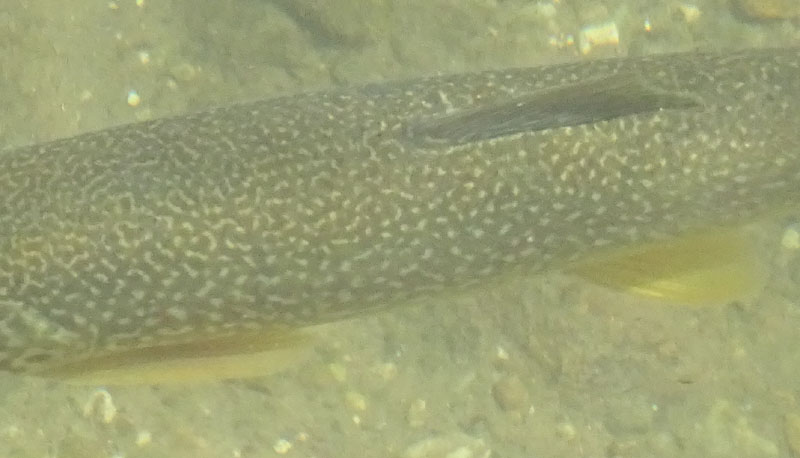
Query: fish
{"points": [[205, 245]]}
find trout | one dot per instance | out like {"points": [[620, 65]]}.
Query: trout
{"points": [[197, 246]]}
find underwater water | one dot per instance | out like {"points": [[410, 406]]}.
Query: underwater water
{"points": [[543, 366]]}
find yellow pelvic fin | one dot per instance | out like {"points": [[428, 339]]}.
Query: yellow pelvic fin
{"points": [[201, 360], [709, 268]]}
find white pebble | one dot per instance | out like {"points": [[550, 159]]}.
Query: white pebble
{"points": [[791, 239], [282, 446], [143, 438], [133, 98], [691, 13], [598, 35], [105, 409]]}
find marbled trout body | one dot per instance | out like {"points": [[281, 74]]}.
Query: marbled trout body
{"points": [[315, 207]]}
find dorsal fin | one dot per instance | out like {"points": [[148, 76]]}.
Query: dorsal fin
{"points": [[584, 102]]}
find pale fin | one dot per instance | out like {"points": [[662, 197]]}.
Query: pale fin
{"points": [[584, 102], [698, 269], [201, 360]]}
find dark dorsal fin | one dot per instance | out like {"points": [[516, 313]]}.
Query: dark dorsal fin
{"points": [[585, 102]]}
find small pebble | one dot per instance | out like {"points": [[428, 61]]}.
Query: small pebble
{"points": [[501, 354], [417, 413], [510, 394], [12, 432], [144, 438], [566, 431], [791, 239], [338, 371], [100, 402], [282, 446], [386, 371], [691, 13], [451, 446], [599, 35], [355, 401], [134, 99], [545, 10]]}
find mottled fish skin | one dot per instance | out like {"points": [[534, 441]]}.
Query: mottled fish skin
{"points": [[316, 207]]}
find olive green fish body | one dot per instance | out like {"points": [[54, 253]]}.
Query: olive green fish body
{"points": [[306, 209]]}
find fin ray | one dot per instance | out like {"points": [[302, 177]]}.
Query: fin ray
{"points": [[585, 102], [197, 360], [697, 269]]}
